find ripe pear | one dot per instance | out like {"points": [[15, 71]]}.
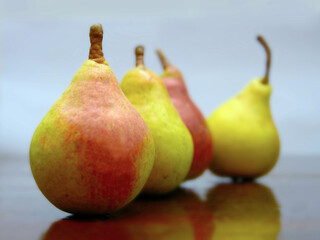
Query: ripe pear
{"points": [[247, 211], [191, 116], [173, 142], [246, 140], [92, 153]]}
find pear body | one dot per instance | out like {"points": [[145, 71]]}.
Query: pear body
{"points": [[246, 140], [193, 119], [173, 141], [92, 153]]}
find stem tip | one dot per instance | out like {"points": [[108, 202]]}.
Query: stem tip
{"points": [[265, 80], [139, 51], [96, 36], [96, 30], [164, 61]]}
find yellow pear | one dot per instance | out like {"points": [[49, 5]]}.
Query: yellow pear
{"points": [[246, 140], [173, 141]]}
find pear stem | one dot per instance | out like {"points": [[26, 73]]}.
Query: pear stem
{"points": [[96, 36], [164, 61], [139, 51], [265, 79]]}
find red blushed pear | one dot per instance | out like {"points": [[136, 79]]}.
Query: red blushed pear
{"points": [[191, 116], [92, 153]]}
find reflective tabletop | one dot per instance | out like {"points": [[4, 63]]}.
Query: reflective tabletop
{"points": [[282, 205]]}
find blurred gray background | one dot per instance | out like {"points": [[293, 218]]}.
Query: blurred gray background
{"points": [[44, 43]]}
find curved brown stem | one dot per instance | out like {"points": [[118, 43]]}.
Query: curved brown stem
{"points": [[164, 61], [265, 79], [139, 51], [96, 36]]}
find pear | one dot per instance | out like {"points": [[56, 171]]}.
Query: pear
{"points": [[92, 153], [173, 141], [246, 140], [191, 116]]}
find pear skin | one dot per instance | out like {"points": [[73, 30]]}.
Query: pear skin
{"points": [[173, 141], [92, 153], [246, 140], [191, 116]]}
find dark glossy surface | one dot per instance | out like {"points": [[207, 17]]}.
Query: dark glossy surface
{"points": [[283, 205]]}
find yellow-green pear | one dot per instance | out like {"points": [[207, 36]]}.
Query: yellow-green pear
{"points": [[173, 141], [246, 140]]}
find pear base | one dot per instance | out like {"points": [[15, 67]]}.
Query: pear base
{"points": [[242, 179]]}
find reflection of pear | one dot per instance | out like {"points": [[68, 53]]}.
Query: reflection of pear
{"points": [[68, 229], [244, 212], [161, 218], [144, 219], [199, 213]]}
